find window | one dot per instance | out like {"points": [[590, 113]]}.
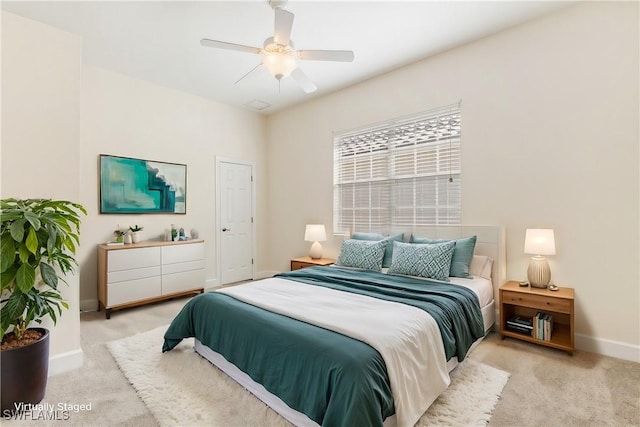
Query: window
{"points": [[398, 174]]}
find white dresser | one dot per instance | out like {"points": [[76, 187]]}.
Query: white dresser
{"points": [[146, 272]]}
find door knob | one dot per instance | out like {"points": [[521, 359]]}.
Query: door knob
{"points": [[226, 229]]}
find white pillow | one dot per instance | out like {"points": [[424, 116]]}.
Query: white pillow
{"points": [[481, 265]]}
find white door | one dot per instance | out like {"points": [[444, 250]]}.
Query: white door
{"points": [[235, 221]]}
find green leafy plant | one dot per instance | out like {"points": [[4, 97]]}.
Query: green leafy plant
{"points": [[136, 228], [39, 240], [119, 234]]}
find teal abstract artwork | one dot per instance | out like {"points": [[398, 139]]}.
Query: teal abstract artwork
{"points": [[130, 185]]}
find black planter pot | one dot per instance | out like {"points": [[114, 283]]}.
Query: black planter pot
{"points": [[24, 372]]}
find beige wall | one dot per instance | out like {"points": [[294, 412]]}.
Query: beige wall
{"points": [[41, 69], [126, 117], [63, 114], [550, 139]]}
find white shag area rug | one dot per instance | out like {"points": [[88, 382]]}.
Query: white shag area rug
{"points": [[181, 388]]}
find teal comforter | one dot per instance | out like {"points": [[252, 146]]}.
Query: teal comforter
{"points": [[333, 379], [456, 309]]}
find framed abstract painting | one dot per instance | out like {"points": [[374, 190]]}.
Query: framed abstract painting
{"points": [[135, 186]]}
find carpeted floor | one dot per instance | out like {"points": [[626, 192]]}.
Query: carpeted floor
{"points": [[546, 388], [182, 388]]}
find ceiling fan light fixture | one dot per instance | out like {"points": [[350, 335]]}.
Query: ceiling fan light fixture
{"points": [[280, 65]]}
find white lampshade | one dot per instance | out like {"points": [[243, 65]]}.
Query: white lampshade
{"points": [[315, 233], [539, 241]]}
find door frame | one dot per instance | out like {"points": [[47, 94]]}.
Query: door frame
{"points": [[218, 225]]}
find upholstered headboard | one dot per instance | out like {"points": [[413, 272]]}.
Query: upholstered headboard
{"points": [[490, 242]]}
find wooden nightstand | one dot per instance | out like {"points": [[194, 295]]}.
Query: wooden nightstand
{"points": [[305, 261], [516, 300]]}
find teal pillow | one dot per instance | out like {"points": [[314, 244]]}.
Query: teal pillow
{"points": [[362, 254], [367, 236], [422, 260], [462, 254], [388, 252]]}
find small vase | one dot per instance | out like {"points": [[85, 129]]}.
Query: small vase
{"points": [[136, 236], [128, 239]]}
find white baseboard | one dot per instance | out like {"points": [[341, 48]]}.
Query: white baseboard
{"points": [[65, 362], [620, 350]]}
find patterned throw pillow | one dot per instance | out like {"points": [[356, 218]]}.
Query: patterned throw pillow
{"points": [[462, 254], [362, 254], [388, 252], [422, 260]]}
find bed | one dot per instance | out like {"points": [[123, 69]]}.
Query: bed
{"points": [[342, 346]]}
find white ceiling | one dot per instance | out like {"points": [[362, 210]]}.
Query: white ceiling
{"points": [[159, 41]]}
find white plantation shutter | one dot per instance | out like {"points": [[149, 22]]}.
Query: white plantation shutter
{"points": [[397, 174]]}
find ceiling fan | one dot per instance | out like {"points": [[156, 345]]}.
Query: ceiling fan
{"points": [[278, 53]]}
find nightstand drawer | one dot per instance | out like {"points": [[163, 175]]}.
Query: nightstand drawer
{"points": [[536, 301]]}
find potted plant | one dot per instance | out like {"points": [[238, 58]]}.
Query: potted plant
{"points": [[38, 243], [119, 234], [136, 233]]}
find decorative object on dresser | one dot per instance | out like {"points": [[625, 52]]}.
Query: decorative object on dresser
{"points": [[315, 233], [305, 261], [119, 235], [135, 186], [539, 242], [136, 233], [536, 315], [149, 271]]}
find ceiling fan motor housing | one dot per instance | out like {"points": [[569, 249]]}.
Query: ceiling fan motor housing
{"points": [[275, 4]]}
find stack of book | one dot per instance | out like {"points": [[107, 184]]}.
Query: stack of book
{"points": [[521, 325], [542, 326]]}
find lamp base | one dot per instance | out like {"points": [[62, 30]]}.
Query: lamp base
{"points": [[539, 273], [316, 250]]}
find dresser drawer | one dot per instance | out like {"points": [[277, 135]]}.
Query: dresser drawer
{"points": [[133, 274], [182, 253], [133, 290], [541, 302], [127, 259], [183, 281]]}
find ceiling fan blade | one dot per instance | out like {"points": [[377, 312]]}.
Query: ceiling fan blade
{"points": [[284, 23], [327, 55], [250, 71], [307, 85], [230, 46]]}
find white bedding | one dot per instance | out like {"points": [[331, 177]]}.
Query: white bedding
{"points": [[412, 349], [482, 287]]}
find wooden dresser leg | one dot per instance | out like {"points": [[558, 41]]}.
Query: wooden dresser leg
{"points": [[107, 313]]}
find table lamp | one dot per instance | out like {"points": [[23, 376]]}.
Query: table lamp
{"points": [[315, 233], [539, 242]]}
